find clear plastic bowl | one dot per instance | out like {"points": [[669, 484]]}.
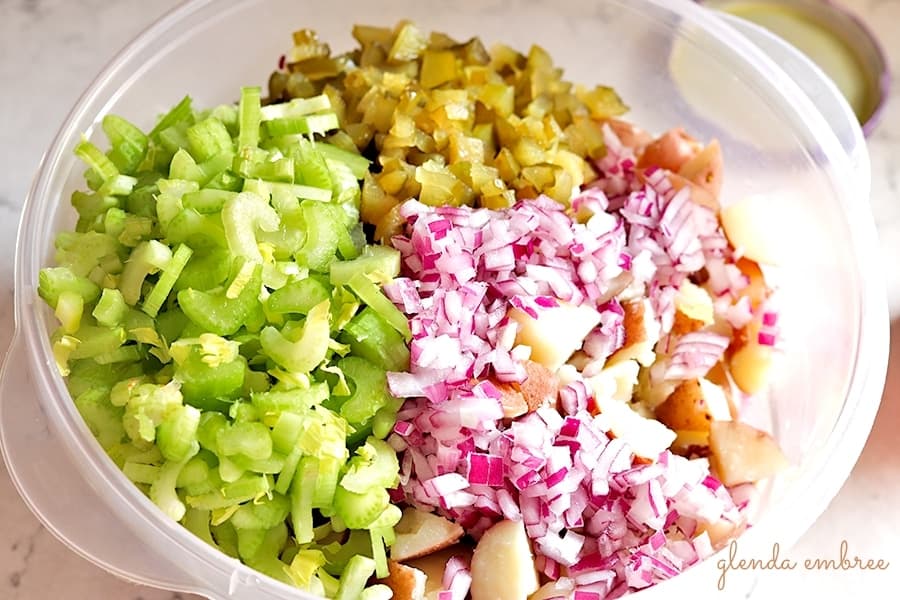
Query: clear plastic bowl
{"points": [[786, 133]]}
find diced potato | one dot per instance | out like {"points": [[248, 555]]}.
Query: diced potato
{"points": [[750, 367], [756, 289], [653, 394], [503, 565], [406, 582], [554, 590], [616, 381], [705, 169], [749, 229], [695, 303], [540, 388], [699, 195], [693, 405], [420, 533], [630, 135], [686, 441], [721, 531], [741, 453], [670, 151], [641, 334], [434, 564], [646, 437], [557, 332]]}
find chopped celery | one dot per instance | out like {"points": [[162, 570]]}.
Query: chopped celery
{"points": [[147, 258], [205, 270], [358, 511], [310, 348], [184, 167], [318, 252], [308, 124], [298, 297], [197, 522], [376, 261], [129, 144], [197, 230], [207, 201], [379, 591], [252, 440], [250, 116], [358, 164], [177, 434], [369, 293], [370, 391], [69, 310], [211, 388], [353, 580], [103, 419], [208, 138], [120, 354], [217, 313], [162, 491], [302, 492], [53, 281], [225, 351], [310, 165], [241, 217], [181, 112], [94, 341], [374, 466], [81, 252], [101, 165], [262, 515], [170, 274], [370, 337], [298, 401], [297, 107]]}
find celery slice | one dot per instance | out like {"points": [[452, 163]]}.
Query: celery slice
{"points": [[181, 112], [241, 217], [302, 492], [147, 258], [298, 297], [208, 138], [92, 156], [378, 262], [370, 337], [306, 125], [207, 201], [304, 354], [358, 164], [250, 116], [369, 293], [170, 274], [318, 252], [69, 310], [129, 144], [177, 435], [53, 281], [297, 107], [217, 313]]}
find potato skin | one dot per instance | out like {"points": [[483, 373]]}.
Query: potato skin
{"points": [[740, 453], [685, 408]]}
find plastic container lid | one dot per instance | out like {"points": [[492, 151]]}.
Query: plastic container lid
{"points": [[815, 175]]}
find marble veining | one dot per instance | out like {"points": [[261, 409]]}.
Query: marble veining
{"points": [[49, 49]]}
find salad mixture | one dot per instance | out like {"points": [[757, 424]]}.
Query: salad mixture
{"points": [[427, 321]]}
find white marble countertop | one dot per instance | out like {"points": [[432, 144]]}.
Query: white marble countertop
{"points": [[50, 49]]}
